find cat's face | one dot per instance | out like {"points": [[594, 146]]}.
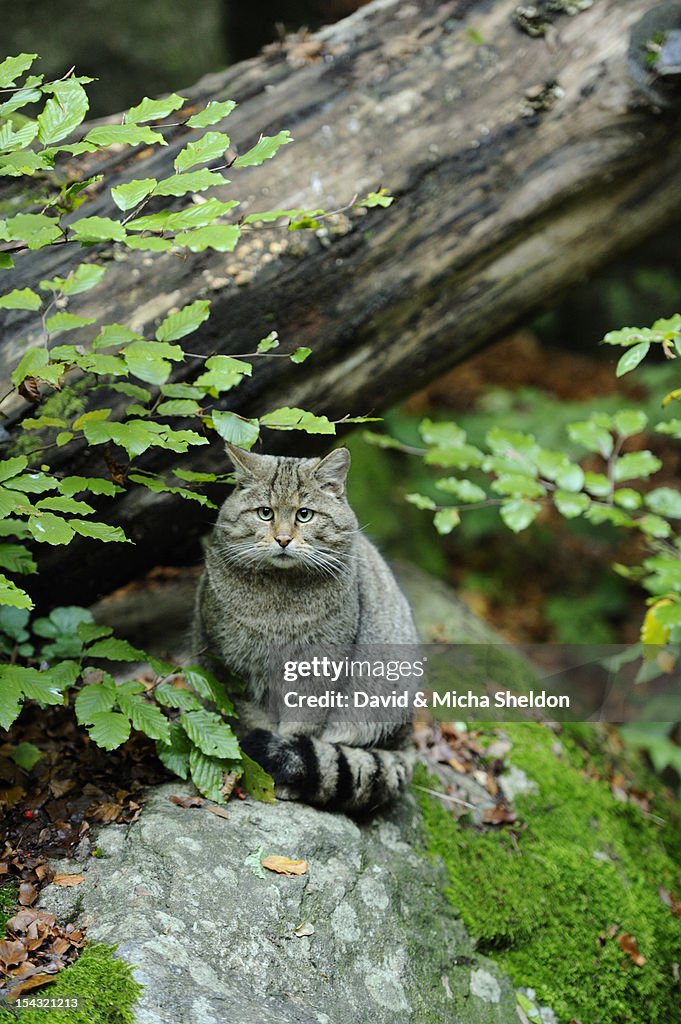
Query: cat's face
{"points": [[288, 514]]}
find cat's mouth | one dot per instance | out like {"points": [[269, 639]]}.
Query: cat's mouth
{"points": [[283, 557]]}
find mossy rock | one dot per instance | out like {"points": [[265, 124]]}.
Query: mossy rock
{"points": [[550, 898], [103, 985]]}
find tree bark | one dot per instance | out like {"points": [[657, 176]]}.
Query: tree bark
{"points": [[500, 207]]}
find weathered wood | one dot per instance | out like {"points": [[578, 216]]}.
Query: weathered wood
{"points": [[499, 209]]}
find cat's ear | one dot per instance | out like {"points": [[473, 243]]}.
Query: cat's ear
{"points": [[245, 463], [331, 472]]}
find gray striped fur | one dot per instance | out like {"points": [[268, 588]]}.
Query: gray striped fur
{"points": [[328, 586]]}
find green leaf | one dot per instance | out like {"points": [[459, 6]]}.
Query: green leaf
{"points": [[300, 355], [522, 448], [24, 162], [182, 391], [442, 435], [97, 229], [35, 229], [11, 694], [631, 358], [178, 407], [445, 519], [211, 146], [635, 465], [32, 483], [603, 514], [85, 277], [148, 360], [297, 419], [380, 198], [152, 110], [99, 531], [115, 650], [195, 478], [176, 697], [570, 478], [19, 139], [12, 467], [115, 334], [26, 755], [519, 514], [174, 755], [12, 68], [210, 733], [71, 485], [65, 505], [211, 114], [159, 486], [571, 505], [654, 526], [9, 503], [268, 216], [221, 237], [11, 594], [597, 484], [519, 485], [208, 774], [124, 135], [421, 501], [21, 298], [629, 422], [16, 558], [462, 456], [50, 529], [671, 427], [6, 261], [62, 621], [668, 615], [131, 390], [236, 429], [627, 498], [223, 373], [194, 181], [265, 148], [109, 729], [95, 698], [463, 489], [63, 112], [67, 322], [268, 343], [199, 215], [133, 192], [147, 244], [36, 684], [256, 781], [664, 501], [147, 718], [592, 437], [179, 324]]}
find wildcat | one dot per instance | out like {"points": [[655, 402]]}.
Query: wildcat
{"points": [[287, 567]]}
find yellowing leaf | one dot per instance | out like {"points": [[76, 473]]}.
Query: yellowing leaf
{"points": [[284, 865], [652, 631]]}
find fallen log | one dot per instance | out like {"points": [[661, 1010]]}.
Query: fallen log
{"points": [[520, 163]]}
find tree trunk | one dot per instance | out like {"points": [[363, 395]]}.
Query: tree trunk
{"points": [[501, 206]]}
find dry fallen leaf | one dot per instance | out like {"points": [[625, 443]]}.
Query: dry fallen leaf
{"points": [[67, 880], [304, 929], [35, 981], [188, 801], [219, 812], [284, 865], [28, 894], [627, 944]]}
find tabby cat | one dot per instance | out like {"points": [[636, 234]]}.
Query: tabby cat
{"points": [[286, 566]]}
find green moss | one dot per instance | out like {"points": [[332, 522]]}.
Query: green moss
{"points": [[100, 979], [8, 899], [65, 404], [542, 900]]}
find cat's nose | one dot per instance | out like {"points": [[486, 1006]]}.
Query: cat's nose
{"points": [[283, 539]]}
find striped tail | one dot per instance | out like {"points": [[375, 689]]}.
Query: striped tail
{"points": [[329, 775]]}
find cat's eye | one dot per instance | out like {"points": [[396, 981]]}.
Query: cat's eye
{"points": [[265, 512], [304, 515]]}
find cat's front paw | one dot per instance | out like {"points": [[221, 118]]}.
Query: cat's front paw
{"points": [[279, 757]]}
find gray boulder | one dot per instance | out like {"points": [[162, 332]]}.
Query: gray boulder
{"points": [[364, 935]]}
